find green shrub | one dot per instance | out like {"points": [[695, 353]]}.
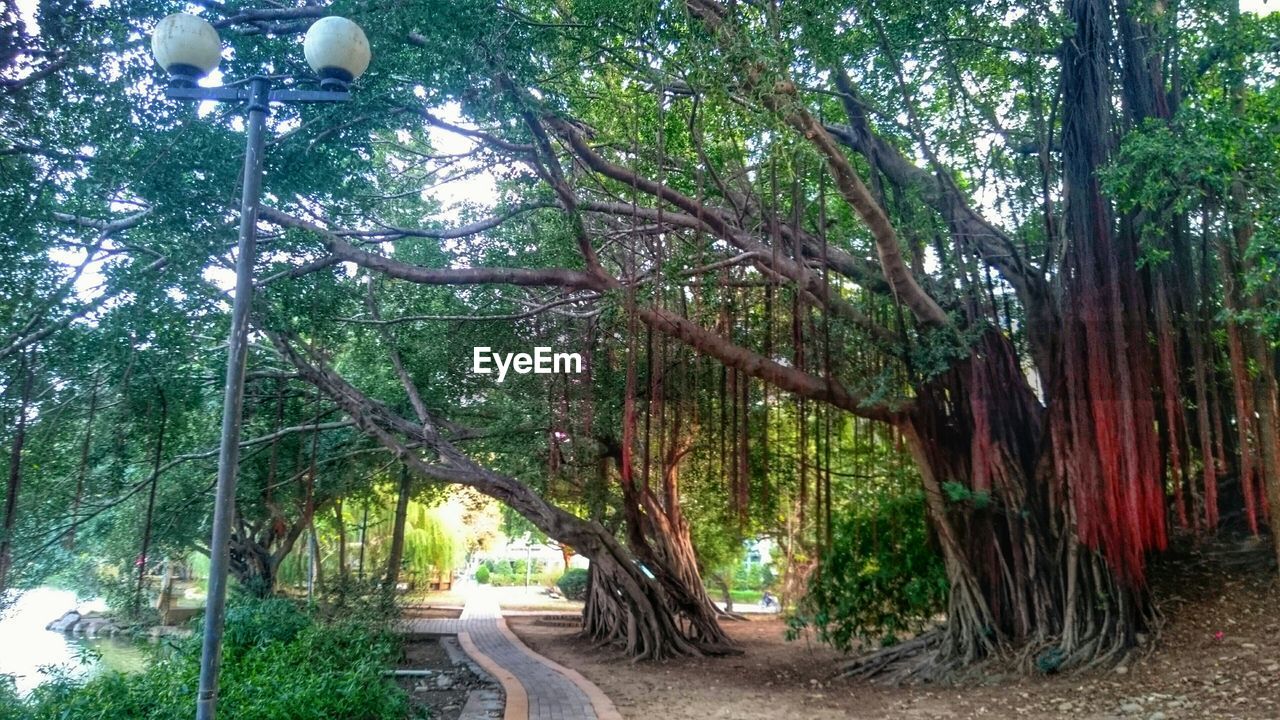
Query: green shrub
{"points": [[10, 707], [573, 584], [279, 662], [482, 574], [506, 579], [749, 577], [882, 578], [257, 624], [513, 567]]}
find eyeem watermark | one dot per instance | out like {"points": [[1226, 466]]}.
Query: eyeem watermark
{"points": [[542, 362]]}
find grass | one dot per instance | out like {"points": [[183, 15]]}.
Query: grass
{"points": [[739, 596]]}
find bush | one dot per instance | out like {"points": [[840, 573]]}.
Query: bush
{"points": [[504, 579], [10, 707], [749, 577], [257, 624], [881, 579], [573, 584], [482, 574], [279, 662]]}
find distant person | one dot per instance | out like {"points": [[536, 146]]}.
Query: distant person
{"points": [[768, 601]]}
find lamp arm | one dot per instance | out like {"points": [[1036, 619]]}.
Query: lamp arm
{"points": [[238, 94]]}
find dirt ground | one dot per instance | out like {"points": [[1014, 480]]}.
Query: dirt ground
{"points": [[443, 694], [1217, 656]]}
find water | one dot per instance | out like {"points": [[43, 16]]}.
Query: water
{"points": [[26, 647]]}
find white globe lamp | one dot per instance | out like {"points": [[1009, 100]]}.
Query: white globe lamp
{"points": [[337, 49], [187, 47]]}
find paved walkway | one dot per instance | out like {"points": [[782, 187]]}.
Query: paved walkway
{"points": [[536, 687]]}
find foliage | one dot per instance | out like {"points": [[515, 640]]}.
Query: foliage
{"points": [[10, 705], [573, 583], [880, 580], [753, 576], [279, 663], [482, 575], [430, 545]]}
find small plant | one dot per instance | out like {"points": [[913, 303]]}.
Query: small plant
{"points": [[482, 575], [10, 707], [573, 584], [881, 580]]}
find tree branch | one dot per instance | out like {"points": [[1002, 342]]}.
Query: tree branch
{"points": [[345, 251]]}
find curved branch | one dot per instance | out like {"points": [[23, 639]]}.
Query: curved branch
{"points": [[664, 321], [345, 251], [758, 366], [392, 232]]}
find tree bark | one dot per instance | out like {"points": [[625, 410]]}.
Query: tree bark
{"points": [[151, 504], [396, 555], [27, 373], [82, 471], [341, 526]]}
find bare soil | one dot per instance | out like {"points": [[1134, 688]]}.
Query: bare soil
{"points": [[441, 700], [1216, 656], [420, 612]]}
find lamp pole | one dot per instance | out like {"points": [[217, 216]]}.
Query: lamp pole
{"points": [[188, 47], [233, 402]]}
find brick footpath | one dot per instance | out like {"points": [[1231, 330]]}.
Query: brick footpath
{"points": [[536, 688]]}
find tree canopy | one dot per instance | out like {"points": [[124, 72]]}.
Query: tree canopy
{"points": [[1009, 268]]}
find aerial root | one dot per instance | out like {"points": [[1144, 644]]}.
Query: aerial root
{"points": [[916, 658]]}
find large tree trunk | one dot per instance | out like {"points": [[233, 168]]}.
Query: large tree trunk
{"points": [[1268, 399], [1266, 388], [1006, 523], [660, 540], [254, 566], [627, 608], [1053, 511], [257, 551]]}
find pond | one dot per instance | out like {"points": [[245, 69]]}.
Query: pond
{"points": [[26, 647]]}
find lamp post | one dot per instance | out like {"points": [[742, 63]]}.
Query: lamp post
{"points": [[528, 560], [188, 48]]}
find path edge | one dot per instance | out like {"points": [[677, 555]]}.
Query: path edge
{"points": [[600, 703], [516, 706]]}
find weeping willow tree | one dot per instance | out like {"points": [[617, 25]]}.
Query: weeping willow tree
{"points": [[434, 544], [432, 548]]}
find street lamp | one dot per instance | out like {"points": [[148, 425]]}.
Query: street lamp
{"points": [[188, 48]]}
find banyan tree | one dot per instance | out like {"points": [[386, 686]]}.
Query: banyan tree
{"points": [[928, 216]]}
